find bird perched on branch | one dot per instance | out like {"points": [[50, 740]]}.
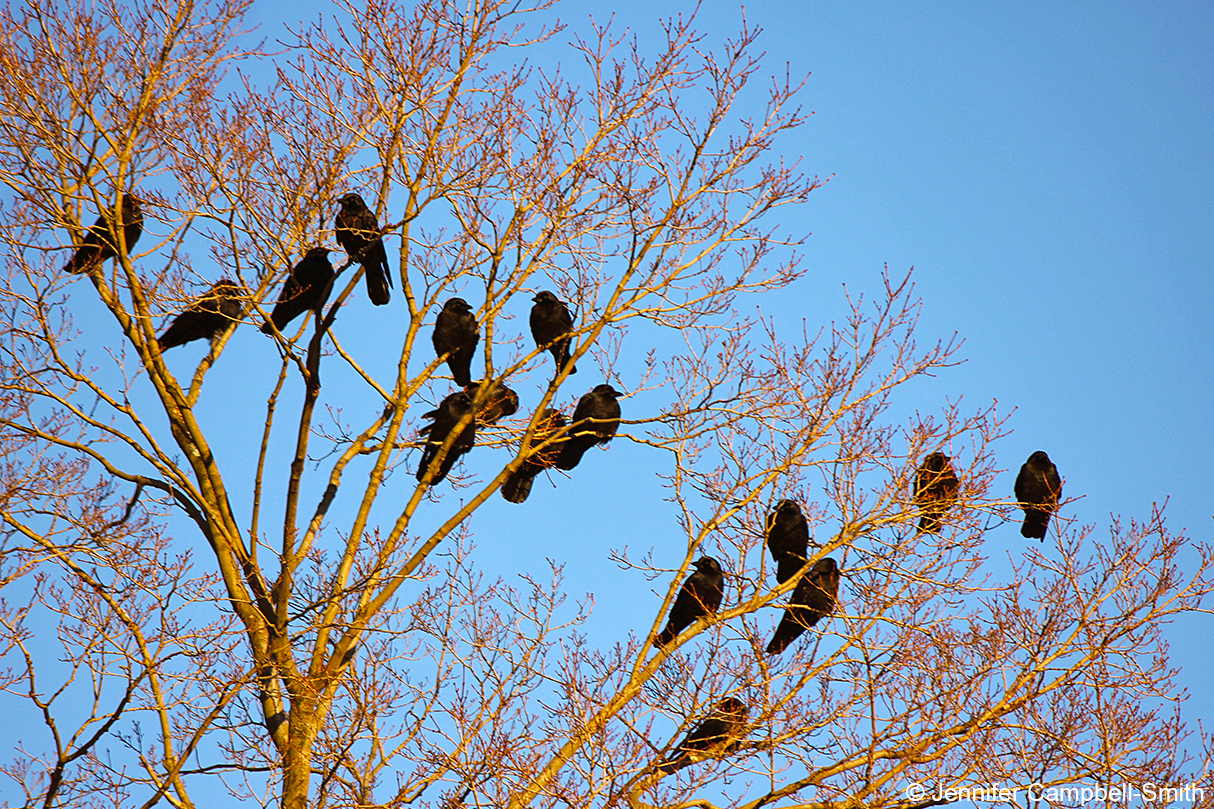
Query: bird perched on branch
{"points": [[719, 734], [813, 599], [595, 420], [551, 323], [207, 317], [701, 596], [102, 240], [1038, 488], [358, 234], [787, 539], [498, 401], [307, 287], [456, 334], [936, 487], [518, 484], [445, 420]]}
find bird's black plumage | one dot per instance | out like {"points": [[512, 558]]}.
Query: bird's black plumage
{"points": [[101, 241], [550, 322], [787, 539], [307, 287], [207, 317], [718, 734], [1038, 489], [497, 401], [595, 420], [358, 234], [446, 419], [518, 484], [456, 334], [701, 595], [936, 488], [813, 599]]}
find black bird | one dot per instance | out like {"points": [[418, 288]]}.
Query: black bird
{"points": [[307, 287], [813, 599], [550, 322], [936, 487], [445, 419], [456, 334], [701, 595], [719, 734], [499, 401], [787, 539], [99, 243], [358, 234], [518, 484], [207, 317], [1038, 488], [595, 420]]}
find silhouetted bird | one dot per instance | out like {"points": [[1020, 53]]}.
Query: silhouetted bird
{"points": [[719, 734], [358, 234], [701, 595], [499, 402], [518, 484], [307, 287], [207, 317], [456, 334], [446, 419], [813, 598], [100, 243], [595, 420], [1038, 489], [936, 487], [787, 539], [551, 321]]}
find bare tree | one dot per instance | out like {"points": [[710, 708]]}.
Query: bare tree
{"points": [[166, 635]]}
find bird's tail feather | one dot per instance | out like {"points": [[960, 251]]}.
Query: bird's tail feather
{"points": [[377, 285], [571, 454], [517, 487], [671, 765], [81, 262], [789, 629], [788, 567], [1035, 523], [929, 524]]}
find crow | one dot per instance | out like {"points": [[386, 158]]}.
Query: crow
{"points": [[551, 323], [307, 287], [499, 401], [456, 334], [207, 317], [446, 418], [358, 234], [718, 734], [1038, 489], [701, 595], [936, 487], [518, 484], [595, 420], [813, 599], [787, 539], [100, 243]]}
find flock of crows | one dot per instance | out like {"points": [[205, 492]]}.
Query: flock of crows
{"points": [[456, 335], [555, 442], [936, 489]]}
